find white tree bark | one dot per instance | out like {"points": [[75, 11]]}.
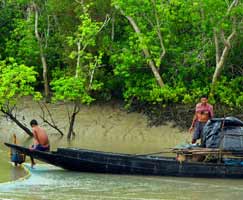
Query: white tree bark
{"points": [[220, 59], [42, 55], [221, 55], [78, 60], [146, 51], [159, 32]]}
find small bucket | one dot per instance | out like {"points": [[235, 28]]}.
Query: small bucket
{"points": [[17, 157]]}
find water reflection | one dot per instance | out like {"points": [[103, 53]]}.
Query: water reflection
{"points": [[17, 172], [47, 182]]}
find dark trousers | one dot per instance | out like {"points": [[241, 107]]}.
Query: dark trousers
{"points": [[198, 132]]}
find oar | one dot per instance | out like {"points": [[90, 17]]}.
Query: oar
{"points": [[155, 153], [165, 150]]}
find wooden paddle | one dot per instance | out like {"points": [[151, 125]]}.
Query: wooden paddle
{"points": [[165, 150]]}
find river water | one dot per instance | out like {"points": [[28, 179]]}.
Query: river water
{"points": [[106, 128]]}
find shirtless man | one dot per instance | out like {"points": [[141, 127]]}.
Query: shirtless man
{"points": [[204, 112], [41, 141]]}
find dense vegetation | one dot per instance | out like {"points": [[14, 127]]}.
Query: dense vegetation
{"points": [[158, 52]]}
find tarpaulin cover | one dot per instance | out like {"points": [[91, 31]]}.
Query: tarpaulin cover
{"points": [[224, 133]]}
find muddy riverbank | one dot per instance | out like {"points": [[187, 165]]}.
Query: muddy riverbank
{"points": [[124, 131], [178, 114], [106, 127]]}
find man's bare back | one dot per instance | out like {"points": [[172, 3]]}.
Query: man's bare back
{"points": [[40, 136], [41, 141]]}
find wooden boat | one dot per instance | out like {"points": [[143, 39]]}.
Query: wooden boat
{"points": [[104, 162]]}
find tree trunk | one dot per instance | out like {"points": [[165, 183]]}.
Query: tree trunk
{"points": [[3, 3], [51, 123], [220, 65], [146, 52], [42, 56], [76, 110], [77, 73], [221, 57], [113, 27], [16, 121]]}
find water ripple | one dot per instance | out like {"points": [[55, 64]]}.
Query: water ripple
{"points": [[47, 182]]}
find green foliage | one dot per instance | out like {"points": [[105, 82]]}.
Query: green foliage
{"points": [[22, 43], [230, 92], [112, 62], [85, 39], [151, 20], [71, 89], [16, 81]]}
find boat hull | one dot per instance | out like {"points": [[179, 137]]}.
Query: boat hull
{"points": [[101, 162]]}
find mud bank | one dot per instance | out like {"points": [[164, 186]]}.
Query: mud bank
{"points": [[180, 115]]}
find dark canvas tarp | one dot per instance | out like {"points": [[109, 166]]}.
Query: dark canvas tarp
{"points": [[224, 133]]}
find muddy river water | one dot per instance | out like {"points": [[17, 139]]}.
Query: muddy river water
{"points": [[106, 128]]}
